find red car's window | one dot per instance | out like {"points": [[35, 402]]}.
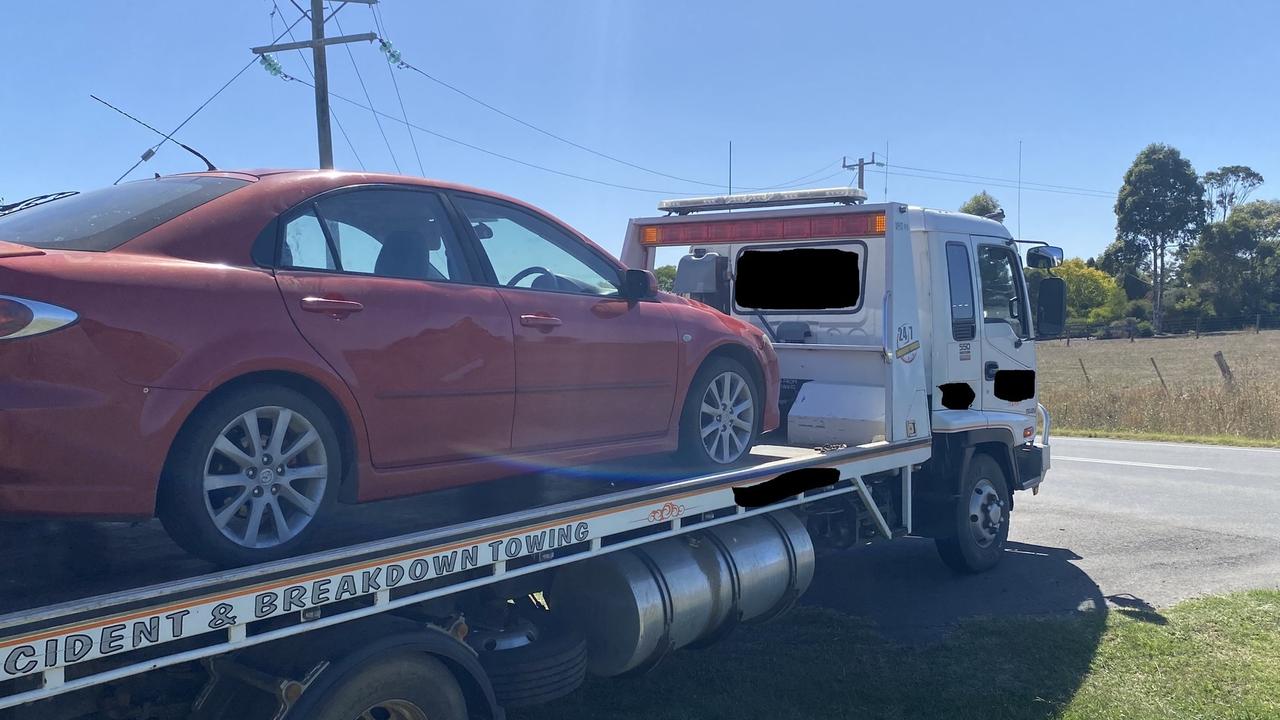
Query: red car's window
{"points": [[104, 219], [528, 252], [392, 233]]}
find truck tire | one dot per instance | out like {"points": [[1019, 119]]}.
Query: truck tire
{"points": [[721, 417], [221, 502], [400, 686], [981, 517], [551, 666]]}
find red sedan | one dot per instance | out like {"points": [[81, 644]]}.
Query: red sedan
{"points": [[235, 352]]}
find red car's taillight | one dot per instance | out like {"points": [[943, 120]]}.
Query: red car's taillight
{"points": [[23, 318]]}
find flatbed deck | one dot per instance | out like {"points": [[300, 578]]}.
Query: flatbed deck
{"points": [[126, 601]]}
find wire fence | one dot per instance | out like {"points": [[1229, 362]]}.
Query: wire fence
{"points": [[1130, 328]]}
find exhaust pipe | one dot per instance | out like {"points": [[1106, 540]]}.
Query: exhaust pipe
{"points": [[637, 605]]}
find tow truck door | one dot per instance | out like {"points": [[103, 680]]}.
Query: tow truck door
{"points": [[1005, 328]]}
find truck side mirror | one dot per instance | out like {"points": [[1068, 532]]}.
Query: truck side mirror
{"points": [[639, 285], [1051, 307], [1044, 257]]}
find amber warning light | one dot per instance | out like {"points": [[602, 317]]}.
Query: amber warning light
{"points": [[811, 227]]}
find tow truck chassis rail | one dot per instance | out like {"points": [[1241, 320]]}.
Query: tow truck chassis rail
{"points": [[75, 645]]}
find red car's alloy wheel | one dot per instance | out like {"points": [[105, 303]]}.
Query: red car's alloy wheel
{"points": [[265, 477], [727, 418]]}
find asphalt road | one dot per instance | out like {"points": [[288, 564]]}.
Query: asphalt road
{"points": [[1134, 525]]}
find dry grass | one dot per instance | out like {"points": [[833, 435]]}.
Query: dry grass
{"points": [[1124, 393]]}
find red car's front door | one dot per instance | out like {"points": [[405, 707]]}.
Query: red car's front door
{"points": [[428, 355], [591, 367]]}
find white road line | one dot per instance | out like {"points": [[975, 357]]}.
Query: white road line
{"points": [[1128, 462], [1164, 443]]}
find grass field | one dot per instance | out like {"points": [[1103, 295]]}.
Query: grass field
{"points": [[1213, 658], [1124, 396]]}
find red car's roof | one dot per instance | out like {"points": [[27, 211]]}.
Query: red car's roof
{"points": [[338, 178], [288, 186]]}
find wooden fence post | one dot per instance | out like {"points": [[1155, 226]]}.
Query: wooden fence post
{"points": [[1257, 324], [1157, 367], [1087, 383], [1224, 369]]}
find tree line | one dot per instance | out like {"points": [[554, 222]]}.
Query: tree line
{"points": [[1189, 249]]}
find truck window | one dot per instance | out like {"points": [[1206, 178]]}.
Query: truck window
{"points": [[1001, 287], [960, 279], [812, 279]]}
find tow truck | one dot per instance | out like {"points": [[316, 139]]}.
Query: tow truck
{"points": [[906, 339]]}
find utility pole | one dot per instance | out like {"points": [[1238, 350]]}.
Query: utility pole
{"points": [[318, 42], [861, 168]]}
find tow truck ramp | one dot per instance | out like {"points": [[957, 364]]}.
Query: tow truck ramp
{"points": [[61, 648]]}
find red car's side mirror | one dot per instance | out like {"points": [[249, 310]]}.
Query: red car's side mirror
{"points": [[639, 285]]}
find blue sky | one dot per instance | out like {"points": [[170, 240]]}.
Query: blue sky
{"points": [[666, 84]]}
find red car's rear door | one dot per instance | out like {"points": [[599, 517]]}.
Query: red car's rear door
{"points": [[377, 282], [591, 367]]}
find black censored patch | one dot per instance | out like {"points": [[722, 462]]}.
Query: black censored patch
{"points": [[957, 396], [1015, 385], [798, 279], [784, 486]]}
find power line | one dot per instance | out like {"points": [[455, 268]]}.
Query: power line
{"points": [[804, 179], [964, 181], [395, 57], [550, 134], [1008, 180], [377, 21], [152, 151], [307, 65], [486, 151], [376, 119]]}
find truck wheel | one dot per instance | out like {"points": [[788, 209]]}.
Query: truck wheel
{"points": [[401, 686], [721, 418], [533, 663], [981, 519], [249, 476]]}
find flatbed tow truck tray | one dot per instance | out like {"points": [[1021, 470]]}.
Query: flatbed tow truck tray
{"points": [[50, 649]]}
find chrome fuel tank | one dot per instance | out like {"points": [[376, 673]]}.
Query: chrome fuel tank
{"points": [[637, 605]]}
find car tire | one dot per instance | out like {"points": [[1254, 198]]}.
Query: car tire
{"points": [[981, 519], [214, 493], [723, 439]]}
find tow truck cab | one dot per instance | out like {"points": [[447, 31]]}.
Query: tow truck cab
{"points": [[890, 321]]}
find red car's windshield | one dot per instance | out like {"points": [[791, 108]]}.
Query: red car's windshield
{"points": [[104, 219]]}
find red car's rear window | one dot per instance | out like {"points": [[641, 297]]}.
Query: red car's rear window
{"points": [[100, 220]]}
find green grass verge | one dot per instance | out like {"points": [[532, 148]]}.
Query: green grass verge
{"points": [[1213, 658], [1232, 440]]}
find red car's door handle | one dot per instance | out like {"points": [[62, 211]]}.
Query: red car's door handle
{"points": [[544, 322], [330, 306]]}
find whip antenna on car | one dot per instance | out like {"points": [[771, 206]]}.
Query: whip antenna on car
{"points": [[152, 151]]}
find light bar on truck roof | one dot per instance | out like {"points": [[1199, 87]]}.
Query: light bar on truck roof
{"points": [[845, 195], [746, 229]]}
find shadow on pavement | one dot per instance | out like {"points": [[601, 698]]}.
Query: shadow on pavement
{"points": [[911, 597]]}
